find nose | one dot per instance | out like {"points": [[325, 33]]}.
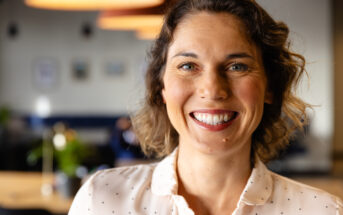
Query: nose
{"points": [[213, 86]]}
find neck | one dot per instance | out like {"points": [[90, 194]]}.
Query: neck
{"points": [[204, 175]]}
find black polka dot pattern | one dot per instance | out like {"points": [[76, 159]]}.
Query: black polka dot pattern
{"points": [[152, 190]]}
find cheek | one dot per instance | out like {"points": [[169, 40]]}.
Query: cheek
{"points": [[251, 92], [175, 93]]}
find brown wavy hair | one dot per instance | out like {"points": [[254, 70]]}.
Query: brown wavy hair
{"points": [[283, 69]]}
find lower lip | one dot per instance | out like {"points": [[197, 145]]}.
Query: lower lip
{"points": [[217, 127]]}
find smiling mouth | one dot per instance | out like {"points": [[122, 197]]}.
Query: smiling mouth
{"points": [[214, 118]]}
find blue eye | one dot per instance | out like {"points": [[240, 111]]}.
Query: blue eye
{"points": [[187, 67], [238, 67]]}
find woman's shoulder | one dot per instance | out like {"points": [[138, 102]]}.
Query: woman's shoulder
{"points": [[122, 177], [124, 171], [105, 190], [302, 197]]}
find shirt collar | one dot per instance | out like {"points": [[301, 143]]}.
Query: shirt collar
{"points": [[256, 192], [259, 186], [164, 178]]}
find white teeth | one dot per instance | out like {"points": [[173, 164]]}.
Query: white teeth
{"points": [[213, 119], [226, 117], [221, 117]]}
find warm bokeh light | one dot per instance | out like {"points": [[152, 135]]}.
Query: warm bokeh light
{"points": [[91, 4], [59, 141], [131, 22], [148, 33], [132, 19]]}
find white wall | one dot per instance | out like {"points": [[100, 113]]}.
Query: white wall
{"points": [[56, 35], [311, 35]]}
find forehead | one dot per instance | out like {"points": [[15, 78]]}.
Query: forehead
{"points": [[215, 19], [216, 31]]}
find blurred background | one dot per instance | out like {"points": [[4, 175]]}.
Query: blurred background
{"points": [[71, 73]]}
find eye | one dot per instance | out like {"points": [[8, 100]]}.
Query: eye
{"points": [[238, 67], [187, 67]]}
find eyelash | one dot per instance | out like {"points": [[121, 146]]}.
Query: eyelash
{"points": [[187, 64], [244, 67]]}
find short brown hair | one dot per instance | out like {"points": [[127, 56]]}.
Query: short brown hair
{"points": [[283, 69]]}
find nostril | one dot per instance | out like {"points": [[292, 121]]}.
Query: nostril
{"points": [[201, 92], [222, 94], [213, 91]]}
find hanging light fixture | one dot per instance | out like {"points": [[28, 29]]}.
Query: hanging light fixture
{"points": [[148, 33], [132, 19], [91, 4]]}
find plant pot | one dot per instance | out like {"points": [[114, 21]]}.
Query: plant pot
{"points": [[67, 186]]}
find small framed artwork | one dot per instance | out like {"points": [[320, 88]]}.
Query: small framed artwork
{"points": [[114, 69], [46, 73], [80, 70]]}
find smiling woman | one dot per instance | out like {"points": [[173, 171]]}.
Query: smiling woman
{"points": [[219, 92], [213, 71], [261, 46]]}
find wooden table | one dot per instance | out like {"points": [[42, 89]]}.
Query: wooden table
{"points": [[22, 190]]}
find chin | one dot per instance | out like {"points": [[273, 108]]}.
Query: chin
{"points": [[219, 145], [213, 146]]}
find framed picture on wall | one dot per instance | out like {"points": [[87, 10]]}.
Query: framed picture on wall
{"points": [[80, 70], [46, 73], [114, 68]]}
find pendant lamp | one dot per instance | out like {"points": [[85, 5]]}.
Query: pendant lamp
{"points": [[132, 19], [91, 4], [148, 33]]}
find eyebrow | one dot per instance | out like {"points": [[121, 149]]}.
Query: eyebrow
{"points": [[228, 57], [238, 55], [186, 54]]}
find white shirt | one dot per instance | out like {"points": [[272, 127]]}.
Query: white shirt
{"points": [[152, 190]]}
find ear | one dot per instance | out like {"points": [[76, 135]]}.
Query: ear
{"points": [[163, 92], [268, 98]]}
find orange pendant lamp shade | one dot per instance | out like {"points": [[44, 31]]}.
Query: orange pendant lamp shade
{"points": [[91, 4], [148, 33], [131, 19]]}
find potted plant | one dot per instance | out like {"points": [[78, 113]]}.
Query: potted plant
{"points": [[68, 153], [69, 158]]}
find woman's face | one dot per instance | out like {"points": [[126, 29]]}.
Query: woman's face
{"points": [[214, 83]]}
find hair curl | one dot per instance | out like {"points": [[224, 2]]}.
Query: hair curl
{"points": [[283, 69]]}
